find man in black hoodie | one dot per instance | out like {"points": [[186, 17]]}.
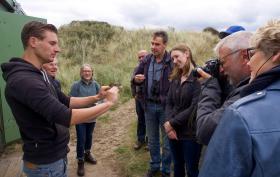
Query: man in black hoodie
{"points": [[42, 112]]}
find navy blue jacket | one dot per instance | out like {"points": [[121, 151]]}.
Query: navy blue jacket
{"points": [[164, 82]]}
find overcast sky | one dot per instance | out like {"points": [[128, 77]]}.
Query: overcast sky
{"points": [[180, 14]]}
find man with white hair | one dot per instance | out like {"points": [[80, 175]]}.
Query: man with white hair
{"points": [[246, 142], [233, 59]]}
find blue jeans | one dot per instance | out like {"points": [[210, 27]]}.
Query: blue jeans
{"points": [[141, 126], [186, 154], [155, 118], [55, 169], [84, 138]]}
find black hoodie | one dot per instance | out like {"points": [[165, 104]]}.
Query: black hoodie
{"points": [[41, 112]]}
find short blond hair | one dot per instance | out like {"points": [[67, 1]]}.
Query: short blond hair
{"points": [[267, 38]]}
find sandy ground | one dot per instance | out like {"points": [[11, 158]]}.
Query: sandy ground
{"points": [[108, 136]]}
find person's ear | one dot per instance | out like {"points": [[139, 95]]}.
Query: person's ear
{"points": [[33, 41], [187, 53], [276, 58], [165, 45]]}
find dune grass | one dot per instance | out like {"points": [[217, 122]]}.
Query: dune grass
{"points": [[132, 163], [112, 53]]}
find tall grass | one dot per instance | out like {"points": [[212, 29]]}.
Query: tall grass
{"points": [[132, 163], [112, 52]]}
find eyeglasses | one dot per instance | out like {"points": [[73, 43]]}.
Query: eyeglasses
{"points": [[250, 52], [222, 59]]}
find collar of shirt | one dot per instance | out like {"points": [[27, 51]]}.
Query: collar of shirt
{"points": [[87, 82]]}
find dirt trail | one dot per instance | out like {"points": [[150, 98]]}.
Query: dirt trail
{"points": [[108, 136]]}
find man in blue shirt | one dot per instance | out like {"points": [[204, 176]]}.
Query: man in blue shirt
{"points": [[153, 73], [87, 86]]}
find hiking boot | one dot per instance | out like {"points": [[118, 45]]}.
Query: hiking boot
{"points": [[90, 159], [138, 145], [165, 174], [151, 173], [81, 168]]}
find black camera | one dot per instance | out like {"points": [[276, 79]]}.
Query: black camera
{"points": [[155, 89], [139, 89], [212, 67]]}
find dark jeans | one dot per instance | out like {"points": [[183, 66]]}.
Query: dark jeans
{"points": [[155, 118], [84, 138], [186, 154], [141, 126]]}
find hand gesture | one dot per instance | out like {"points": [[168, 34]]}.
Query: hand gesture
{"points": [[203, 74], [112, 95], [103, 92]]}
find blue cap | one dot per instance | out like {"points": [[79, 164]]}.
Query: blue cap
{"points": [[230, 30]]}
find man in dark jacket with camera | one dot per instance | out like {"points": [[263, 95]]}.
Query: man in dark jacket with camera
{"points": [[233, 58], [153, 73]]}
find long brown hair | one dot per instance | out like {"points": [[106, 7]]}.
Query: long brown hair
{"points": [[186, 70]]}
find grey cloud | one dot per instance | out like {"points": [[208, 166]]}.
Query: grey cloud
{"points": [[180, 14], [140, 13]]}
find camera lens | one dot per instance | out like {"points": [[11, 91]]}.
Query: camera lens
{"points": [[211, 67], [155, 88]]}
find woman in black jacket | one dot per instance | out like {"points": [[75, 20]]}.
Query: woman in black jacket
{"points": [[181, 113]]}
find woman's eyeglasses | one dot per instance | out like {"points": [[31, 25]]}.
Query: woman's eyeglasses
{"points": [[250, 52]]}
